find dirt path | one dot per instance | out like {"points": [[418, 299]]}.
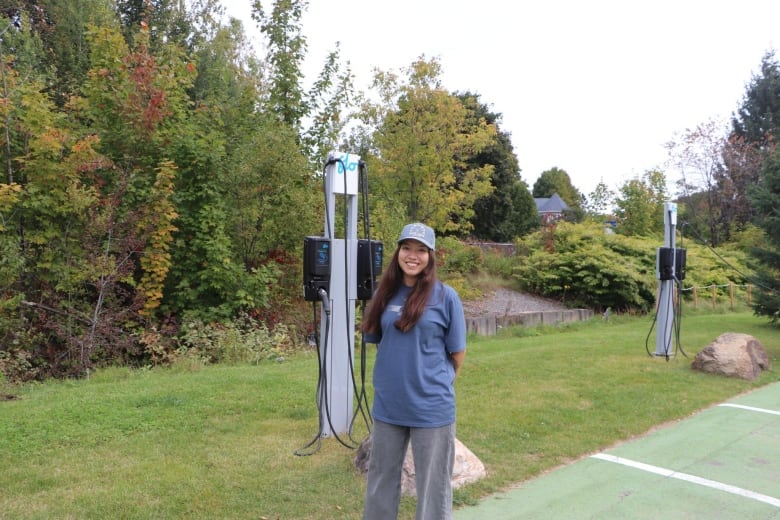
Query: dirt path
{"points": [[506, 301]]}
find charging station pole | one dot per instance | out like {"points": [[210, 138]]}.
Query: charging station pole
{"points": [[666, 282], [337, 351]]}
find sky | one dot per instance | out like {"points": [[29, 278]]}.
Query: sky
{"points": [[596, 88]]}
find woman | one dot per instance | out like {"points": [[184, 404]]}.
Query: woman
{"points": [[419, 327]]}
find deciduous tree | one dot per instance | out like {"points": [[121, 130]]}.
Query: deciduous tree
{"points": [[640, 205], [422, 142], [601, 200], [698, 156]]}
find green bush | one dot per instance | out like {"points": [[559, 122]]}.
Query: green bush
{"points": [[498, 264], [244, 340], [454, 256], [582, 265], [18, 361]]}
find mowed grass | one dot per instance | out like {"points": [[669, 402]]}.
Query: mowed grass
{"points": [[219, 442]]}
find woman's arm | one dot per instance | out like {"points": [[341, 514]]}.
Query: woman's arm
{"points": [[457, 360]]}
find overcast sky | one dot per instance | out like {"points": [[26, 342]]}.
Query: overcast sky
{"points": [[595, 88]]}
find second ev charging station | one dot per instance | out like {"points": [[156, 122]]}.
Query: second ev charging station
{"points": [[670, 270]]}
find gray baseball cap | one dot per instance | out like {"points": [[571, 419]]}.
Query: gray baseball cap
{"points": [[419, 232]]}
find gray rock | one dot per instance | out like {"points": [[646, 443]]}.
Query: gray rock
{"points": [[467, 468], [733, 354]]}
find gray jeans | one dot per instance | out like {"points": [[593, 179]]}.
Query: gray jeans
{"points": [[433, 450]]}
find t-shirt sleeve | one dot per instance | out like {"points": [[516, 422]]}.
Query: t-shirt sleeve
{"points": [[372, 337], [455, 340]]}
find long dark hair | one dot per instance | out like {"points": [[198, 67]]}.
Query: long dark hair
{"points": [[391, 281]]}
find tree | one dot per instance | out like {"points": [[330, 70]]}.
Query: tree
{"points": [[758, 118], [286, 51], [133, 101], [754, 173], [753, 137], [61, 26], [640, 205], [556, 180], [144, 183], [601, 200], [22, 78], [423, 141], [742, 166], [166, 21], [57, 308], [698, 156], [509, 210], [270, 199], [317, 115], [764, 198]]}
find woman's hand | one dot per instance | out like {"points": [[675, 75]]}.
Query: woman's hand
{"points": [[457, 360]]}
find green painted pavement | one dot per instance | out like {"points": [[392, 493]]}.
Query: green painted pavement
{"points": [[722, 463]]}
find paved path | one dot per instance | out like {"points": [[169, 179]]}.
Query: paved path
{"points": [[722, 463]]}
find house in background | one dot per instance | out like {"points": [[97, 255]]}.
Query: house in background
{"points": [[551, 209]]}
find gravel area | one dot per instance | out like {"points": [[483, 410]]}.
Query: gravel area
{"points": [[502, 302]]}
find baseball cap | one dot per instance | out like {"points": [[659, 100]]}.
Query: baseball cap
{"points": [[421, 233]]}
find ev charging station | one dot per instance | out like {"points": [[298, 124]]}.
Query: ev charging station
{"points": [[337, 273], [670, 270]]}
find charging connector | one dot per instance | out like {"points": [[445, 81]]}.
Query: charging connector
{"points": [[325, 301]]}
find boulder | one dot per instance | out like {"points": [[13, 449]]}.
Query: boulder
{"points": [[733, 354], [467, 468]]}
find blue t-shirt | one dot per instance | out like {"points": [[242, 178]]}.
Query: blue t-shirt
{"points": [[413, 374]]}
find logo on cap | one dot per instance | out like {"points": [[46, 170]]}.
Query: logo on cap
{"points": [[416, 231]]}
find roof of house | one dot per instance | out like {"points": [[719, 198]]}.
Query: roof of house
{"points": [[553, 204]]}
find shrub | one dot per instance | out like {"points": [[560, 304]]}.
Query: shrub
{"points": [[498, 264], [584, 266], [454, 256], [244, 340], [581, 265]]}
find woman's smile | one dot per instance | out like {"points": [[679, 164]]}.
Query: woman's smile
{"points": [[413, 258]]}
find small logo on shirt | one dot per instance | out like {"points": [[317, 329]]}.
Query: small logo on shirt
{"points": [[394, 308]]}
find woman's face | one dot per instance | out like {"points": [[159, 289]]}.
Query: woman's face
{"points": [[413, 257]]}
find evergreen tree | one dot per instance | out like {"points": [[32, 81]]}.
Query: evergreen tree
{"points": [[755, 130], [764, 198], [754, 174], [758, 118], [509, 210]]}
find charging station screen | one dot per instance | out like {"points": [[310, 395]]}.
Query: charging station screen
{"points": [[322, 258]]}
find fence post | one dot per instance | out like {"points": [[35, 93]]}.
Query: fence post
{"points": [[749, 287], [731, 294], [695, 298], [714, 289]]}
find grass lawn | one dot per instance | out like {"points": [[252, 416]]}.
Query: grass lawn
{"points": [[219, 442]]}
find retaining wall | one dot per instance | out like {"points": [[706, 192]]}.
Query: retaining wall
{"points": [[488, 325]]}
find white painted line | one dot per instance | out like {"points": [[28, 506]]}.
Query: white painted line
{"points": [[690, 478], [751, 408]]}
